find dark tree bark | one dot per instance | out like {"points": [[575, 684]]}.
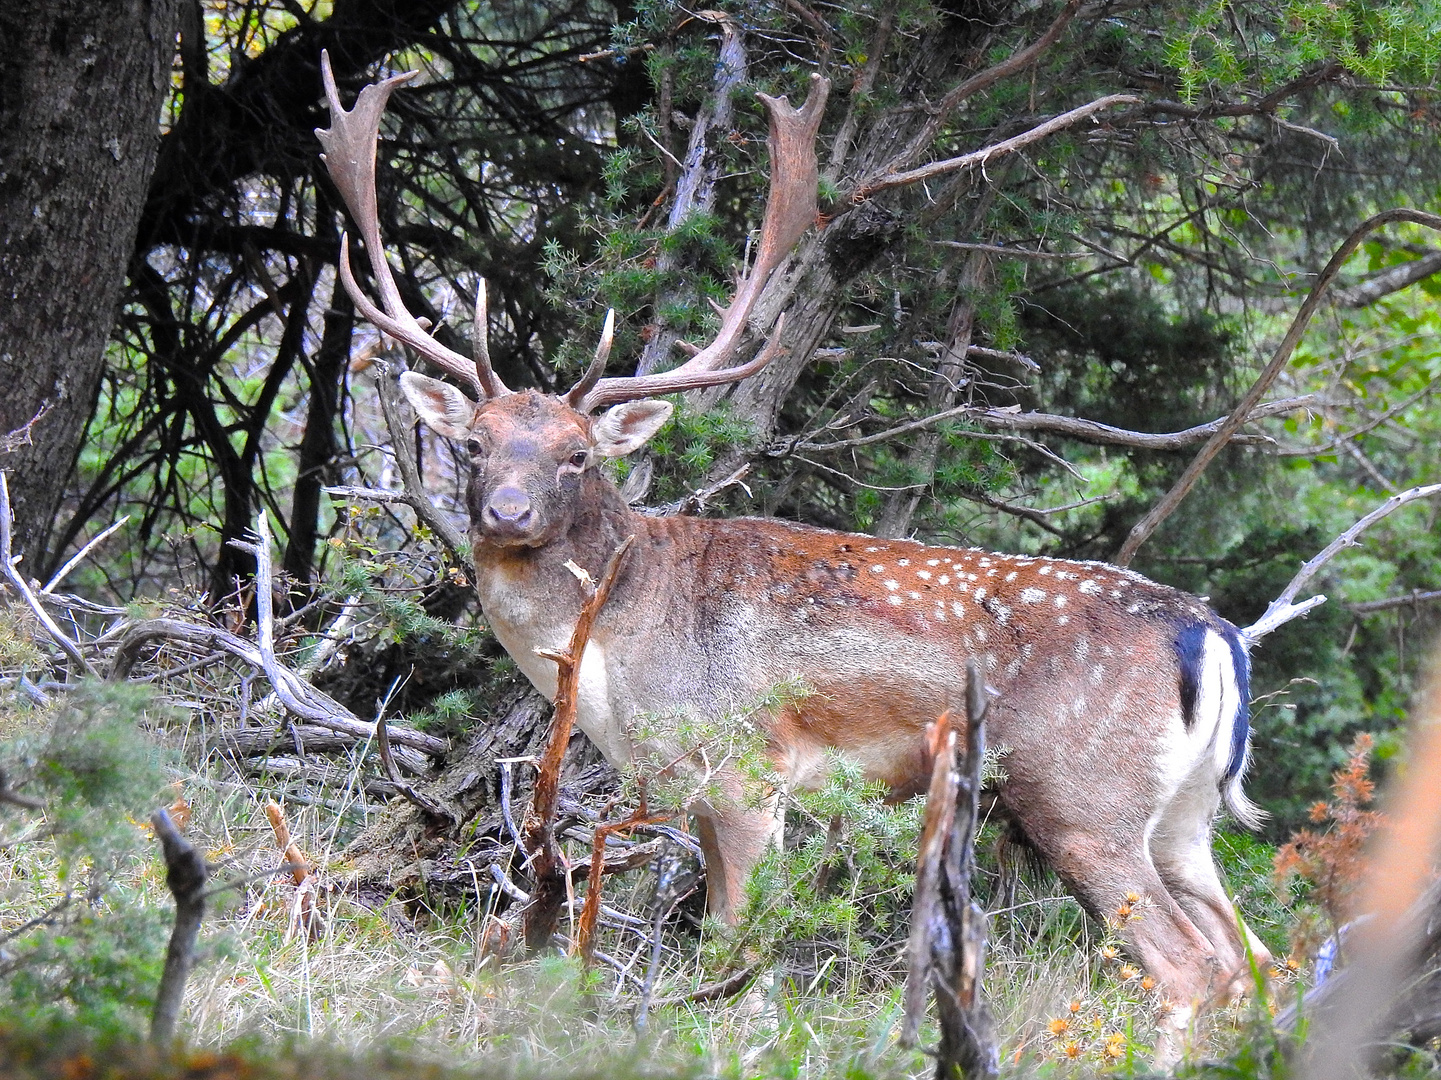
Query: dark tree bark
{"points": [[81, 85]]}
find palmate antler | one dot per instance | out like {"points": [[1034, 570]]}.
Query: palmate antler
{"points": [[350, 145]]}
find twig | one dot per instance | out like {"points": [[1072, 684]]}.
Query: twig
{"points": [[1173, 498], [1281, 610], [415, 497], [984, 155], [1416, 596], [79, 556], [8, 567], [317, 707], [1015, 253], [185, 874], [947, 947], [423, 802], [304, 913], [1072, 427], [14, 798], [539, 829]]}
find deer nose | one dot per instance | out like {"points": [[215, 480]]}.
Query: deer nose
{"points": [[509, 508]]}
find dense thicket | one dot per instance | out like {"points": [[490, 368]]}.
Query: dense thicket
{"points": [[1130, 267]]}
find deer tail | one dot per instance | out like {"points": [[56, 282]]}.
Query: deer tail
{"points": [[1216, 690]]}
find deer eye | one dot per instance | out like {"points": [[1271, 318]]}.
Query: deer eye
{"points": [[473, 447], [579, 458]]}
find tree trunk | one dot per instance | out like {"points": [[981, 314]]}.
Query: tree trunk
{"points": [[81, 85]]}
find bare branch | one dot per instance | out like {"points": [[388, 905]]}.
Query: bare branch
{"points": [[1415, 598], [1000, 149], [1392, 279], [8, 567], [1173, 498], [1281, 610], [1017, 61], [1087, 431]]}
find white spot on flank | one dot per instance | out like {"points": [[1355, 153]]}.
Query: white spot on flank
{"points": [[914, 595], [893, 585], [1089, 587], [985, 562], [990, 662], [980, 594], [1060, 601], [1032, 596], [1044, 570], [894, 600], [878, 568], [1133, 609], [873, 549], [958, 608], [1065, 575], [941, 614], [933, 562], [981, 635], [903, 562], [1063, 620], [944, 579], [990, 573], [962, 587], [1011, 576], [924, 575], [1002, 613], [1115, 594]]}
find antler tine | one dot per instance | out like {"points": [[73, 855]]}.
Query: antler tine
{"points": [[575, 397], [350, 157], [481, 344], [790, 210], [615, 391]]}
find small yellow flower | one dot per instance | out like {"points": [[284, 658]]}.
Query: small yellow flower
{"points": [[1148, 983], [1109, 952], [1124, 911], [1059, 1026], [1275, 972], [1073, 1050], [1075, 1006], [1115, 1046], [1128, 972], [1293, 965], [1133, 898]]}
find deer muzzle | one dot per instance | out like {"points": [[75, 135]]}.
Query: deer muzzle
{"points": [[508, 513]]}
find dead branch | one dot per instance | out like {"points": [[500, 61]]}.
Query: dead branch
{"points": [[14, 798], [946, 951], [1392, 279], [14, 440], [1281, 610], [539, 829], [8, 566], [315, 706], [1415, 598], [428, 806], [983, 156], [185, 873], [79, 557], [304, 913], [1017, 61], [599, 867], [1173, 498], [1071, 427], [415, 497]]}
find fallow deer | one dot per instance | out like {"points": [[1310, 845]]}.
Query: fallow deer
{"points": [[1123, 704]]}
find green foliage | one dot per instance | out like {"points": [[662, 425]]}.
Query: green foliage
{"points": [[94, 954]]}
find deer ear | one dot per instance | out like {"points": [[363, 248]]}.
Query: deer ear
{"points": [[444, 409], [625, 428]]}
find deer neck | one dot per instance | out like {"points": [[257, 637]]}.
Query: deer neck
{"points": [[530, 598]]}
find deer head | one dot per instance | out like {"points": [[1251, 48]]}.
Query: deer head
{"points": [[531, 451]]}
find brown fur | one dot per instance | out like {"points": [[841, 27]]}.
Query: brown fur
{"points": [[708, 615]]}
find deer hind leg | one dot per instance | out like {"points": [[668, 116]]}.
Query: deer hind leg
{"points": [[1105, 864], [1181, 849]]}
